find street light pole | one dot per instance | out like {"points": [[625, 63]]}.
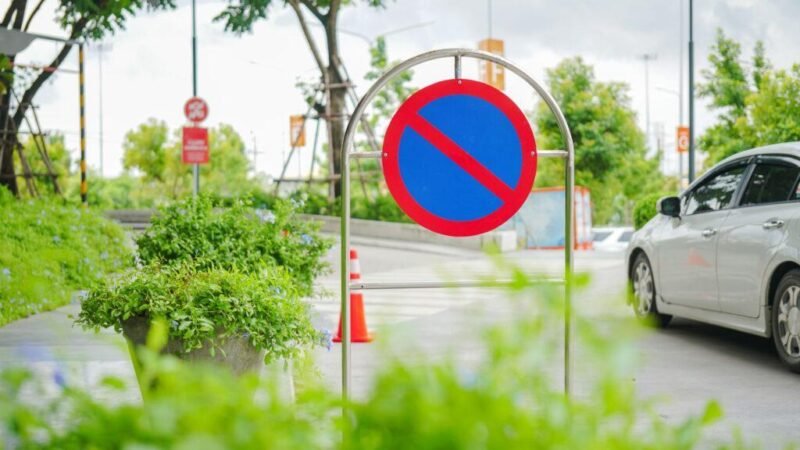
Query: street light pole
{"points": [[680, 93], [691, 93], [647, 57], [196, 168]]}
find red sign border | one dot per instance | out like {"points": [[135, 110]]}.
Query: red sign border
{"points": [[186, 108], [391, 166]]}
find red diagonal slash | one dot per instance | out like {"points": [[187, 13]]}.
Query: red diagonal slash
{"points": [[459, 156]]}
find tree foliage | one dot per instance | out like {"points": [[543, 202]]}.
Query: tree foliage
{"points": [[151, 152], [239, 17], [756, 104], [80, 20], [610, 153]]}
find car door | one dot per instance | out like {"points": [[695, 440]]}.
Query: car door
{"points": [[687, 246], [753, 232]]}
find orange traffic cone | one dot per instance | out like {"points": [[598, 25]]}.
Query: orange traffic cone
{"points": [[358, 320]]}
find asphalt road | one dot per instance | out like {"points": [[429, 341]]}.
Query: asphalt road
{"points": [[682, 367]]}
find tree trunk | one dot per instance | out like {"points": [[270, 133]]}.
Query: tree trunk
{"points": [[338, 92], [8, 177], [9, 138], [337, 124], [8, 135]]}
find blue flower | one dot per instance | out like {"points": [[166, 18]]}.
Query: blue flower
{"points": [[326, 339], [306, 239], [59, 378], [266, 215], [6, 271]]}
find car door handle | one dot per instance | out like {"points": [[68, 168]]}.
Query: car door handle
{"points": [[708, 232], [772, 223]]}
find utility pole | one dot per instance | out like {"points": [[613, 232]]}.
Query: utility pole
{"points": [[691, 92], [680, 93], [647, 57], [489, 16], [100, 62], [196, 168]]}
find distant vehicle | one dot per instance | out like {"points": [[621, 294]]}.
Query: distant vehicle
{"points": [[727, 251], [611, 239]]}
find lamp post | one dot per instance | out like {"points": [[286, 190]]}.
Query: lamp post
{"points": [[647, 57], [691, 93], [196, 167]]}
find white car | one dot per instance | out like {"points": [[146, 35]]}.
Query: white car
{"points": [[611, 239], [727, 251]]}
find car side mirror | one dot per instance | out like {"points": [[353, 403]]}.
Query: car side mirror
{"points": [[669, 206]]}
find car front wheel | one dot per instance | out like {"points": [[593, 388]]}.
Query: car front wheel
{"points": [[643, 293], [786, 320]]}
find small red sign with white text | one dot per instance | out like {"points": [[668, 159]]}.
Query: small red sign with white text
{"points": [[195, 145]]}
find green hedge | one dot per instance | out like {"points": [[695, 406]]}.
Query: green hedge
{"points": [[50, 251], [645, 208]]}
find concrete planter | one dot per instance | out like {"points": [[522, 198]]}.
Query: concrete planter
{"points": [[235, 353]]}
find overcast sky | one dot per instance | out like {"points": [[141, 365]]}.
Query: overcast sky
{"points": [[249, 80]]}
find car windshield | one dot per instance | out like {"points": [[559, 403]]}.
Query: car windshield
{"points": [[626, 236], [598, 236]]}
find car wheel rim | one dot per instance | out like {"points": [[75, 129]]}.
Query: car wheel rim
{"points": [[789, 321], [643, 289]]}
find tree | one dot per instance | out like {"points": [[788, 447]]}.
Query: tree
{"points": [[239, 17], [145, 149], [756, 106], [81, 20], [727, 87], [149, 151], [610, 153]]}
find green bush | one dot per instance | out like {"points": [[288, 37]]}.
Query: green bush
{"points": [[50, 251], [192, 407], [235, 238], [645, 209], [382, 207], [506, 398], [202, 305]]}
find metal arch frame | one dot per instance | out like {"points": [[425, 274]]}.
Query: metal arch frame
{"points": [[569, 178]]}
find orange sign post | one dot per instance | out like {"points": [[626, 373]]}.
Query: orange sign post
{"points": [[491, 73]]}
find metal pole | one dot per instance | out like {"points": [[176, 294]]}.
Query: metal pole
{"points": [[84, 186], [345, 261], [489, 17], [647, 57], [691, 92], [680, 93], [647, 98], [349, 136], [196, 168], [100, 55]]}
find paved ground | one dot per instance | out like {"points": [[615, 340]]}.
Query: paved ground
{"points": [[683, 366]]}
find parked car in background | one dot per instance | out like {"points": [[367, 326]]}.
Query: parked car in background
{"points": [[611, 239], [727, 251]]}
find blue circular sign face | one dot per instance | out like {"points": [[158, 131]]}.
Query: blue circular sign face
{"points": [[459, 157]]}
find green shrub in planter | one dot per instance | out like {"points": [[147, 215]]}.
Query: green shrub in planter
{"points": [[235, 238], [206, 310]]}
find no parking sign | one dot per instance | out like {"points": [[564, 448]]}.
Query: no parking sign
{"points": [[459, 157]]}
